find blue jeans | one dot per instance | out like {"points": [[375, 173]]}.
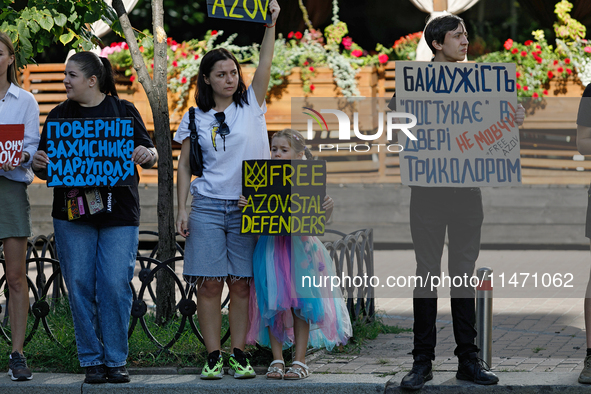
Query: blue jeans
{"points": [[97, 264]]}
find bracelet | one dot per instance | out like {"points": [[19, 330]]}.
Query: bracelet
{"points": [[273, 25]]}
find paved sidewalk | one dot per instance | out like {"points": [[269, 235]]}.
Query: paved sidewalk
{"points": [[538, 340]]}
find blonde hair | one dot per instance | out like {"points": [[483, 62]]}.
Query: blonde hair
{"points": [[296, 141], [11, 72]]}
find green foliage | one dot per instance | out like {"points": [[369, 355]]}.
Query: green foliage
{"points": [[42, 23]]}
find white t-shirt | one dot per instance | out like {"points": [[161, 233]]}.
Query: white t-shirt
{"points": [[248, 140]]}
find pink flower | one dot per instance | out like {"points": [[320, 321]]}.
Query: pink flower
{"points": [[514, 51], [175, 64], [569, 71], [523, 53], [184, 80], [298, 35], [356, 53], [174, 47], [312, 87], [508, 44], [132, 78], [587, 49], [290, 34], [196, 57], [528, 43], [535, 95], [347, 42], [383, 58], [311, 68], [125, 46], [567, 61], [525, 88], [550, 74]]}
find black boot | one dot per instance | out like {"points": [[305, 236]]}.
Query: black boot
{"points": [[475, 370], [418, 375]]}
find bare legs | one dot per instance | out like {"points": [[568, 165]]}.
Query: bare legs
{"points": [[301, 330], [15, 250]]}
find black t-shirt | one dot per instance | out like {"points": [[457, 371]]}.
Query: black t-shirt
{"points": [[584, 115], [125, 199]]}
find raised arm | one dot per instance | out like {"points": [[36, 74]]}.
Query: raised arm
{"points": [[260, 81]]}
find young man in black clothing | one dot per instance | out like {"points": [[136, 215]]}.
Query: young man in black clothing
{"points": [[433, 211]]}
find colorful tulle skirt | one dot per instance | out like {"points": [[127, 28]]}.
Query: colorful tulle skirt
{"points": [[294, 273]]}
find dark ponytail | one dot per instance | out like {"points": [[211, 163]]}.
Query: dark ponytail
{"points": [[90, 64]]}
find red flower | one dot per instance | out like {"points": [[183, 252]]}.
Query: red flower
{"points": [[523, 53], [311, 68], [142, 49], [539, 47], [514, 51], [356, 53], [125, 46], [567, 61], [555, 62], [569, 71], [535, 95], [528, 43], [196, 57], [152, 65], [508, 44], [545, 92], [518, 86], [306, 63], [184, 80], [539, 60], [183, 54], [290, 34], [560, 69], [298, 35], [383, 58], [312, 87], [214, 32], [525, 88], [550, 74], [347, 42], [169, 41], [132, 78], [175, 64], [517, 74]]}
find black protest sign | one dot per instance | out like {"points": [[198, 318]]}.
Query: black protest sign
{"points": [[90, 152], [243, 10], [284, 197]]}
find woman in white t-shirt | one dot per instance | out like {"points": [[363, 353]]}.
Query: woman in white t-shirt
{"points": [[231, 128]]}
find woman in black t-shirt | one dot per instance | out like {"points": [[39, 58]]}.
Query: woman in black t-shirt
{"points": [[96, 228]]}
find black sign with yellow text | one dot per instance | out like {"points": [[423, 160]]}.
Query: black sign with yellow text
{"points": [[284, 197], [243, 10]]}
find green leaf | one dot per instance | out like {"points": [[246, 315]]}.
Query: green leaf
{"points": [[87, 45], [73, 17], [60, 20], [34, 26], [46, 22], [23, 30], [66, 38]]}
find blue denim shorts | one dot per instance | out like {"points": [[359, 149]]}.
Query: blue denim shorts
{"points": [[215, 247]]}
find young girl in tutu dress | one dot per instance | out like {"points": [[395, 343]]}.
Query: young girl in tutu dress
{"points": [[282, 310]]}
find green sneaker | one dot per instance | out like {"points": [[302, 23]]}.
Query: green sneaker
{"points": [[240, 366], [214, 367]]}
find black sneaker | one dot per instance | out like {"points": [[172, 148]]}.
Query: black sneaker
{"points": [[96, 374], [419, 374], [476, 370], [17, 367], [117, 374]]}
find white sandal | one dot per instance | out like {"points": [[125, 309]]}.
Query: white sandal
{"points": [[277, 370], [300, 369]]}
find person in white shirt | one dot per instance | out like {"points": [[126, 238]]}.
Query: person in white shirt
{"points": [[17, 106], [231, 127]]}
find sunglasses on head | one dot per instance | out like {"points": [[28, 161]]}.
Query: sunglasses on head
{"points": [[223, 129]]}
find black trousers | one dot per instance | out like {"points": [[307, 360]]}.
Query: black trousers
{"points": [[433, 211]]}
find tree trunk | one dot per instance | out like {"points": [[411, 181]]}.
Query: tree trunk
{"points": [[156, 90]]}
